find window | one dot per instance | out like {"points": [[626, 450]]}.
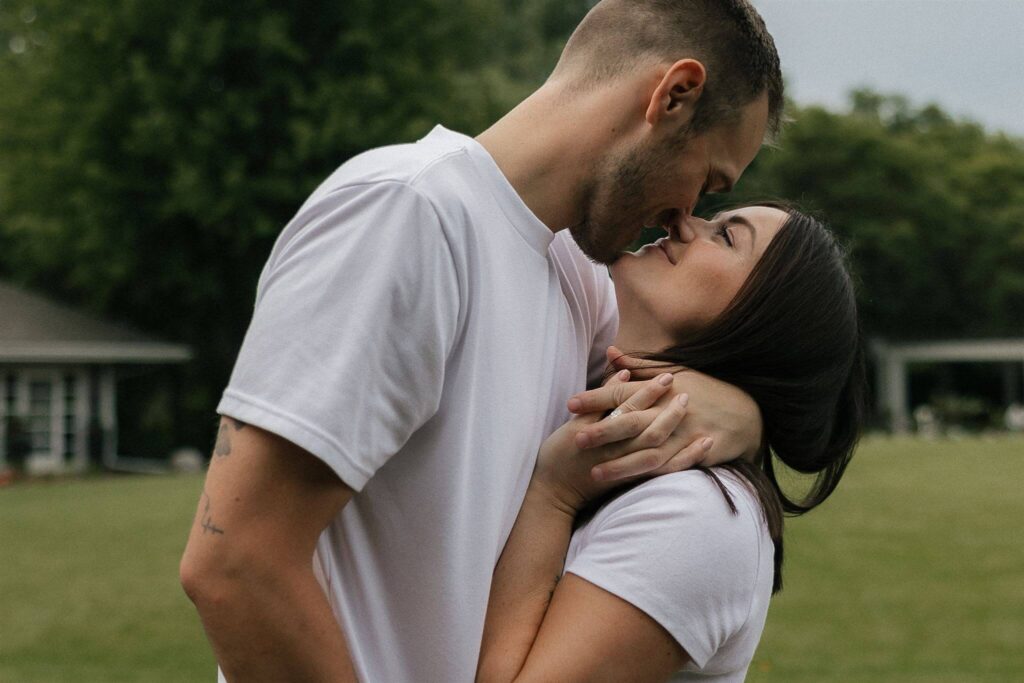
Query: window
{"points": [[10, 393], [70, 432], [40, 395]]}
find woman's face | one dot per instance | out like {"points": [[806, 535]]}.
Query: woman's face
{"points": [[684, 281]]}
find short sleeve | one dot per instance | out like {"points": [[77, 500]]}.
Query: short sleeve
{"points": [[672, 548], [356, 312]]}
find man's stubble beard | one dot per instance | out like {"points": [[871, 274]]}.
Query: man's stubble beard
{"points": [[614, 201]]}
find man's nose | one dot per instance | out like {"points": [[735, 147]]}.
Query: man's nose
{"points": [[690, 227]]}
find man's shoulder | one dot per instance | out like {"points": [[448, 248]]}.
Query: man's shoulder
{"points": [[418, 165]]}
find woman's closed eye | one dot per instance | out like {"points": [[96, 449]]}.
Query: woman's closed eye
{"points": [[723, 231]]}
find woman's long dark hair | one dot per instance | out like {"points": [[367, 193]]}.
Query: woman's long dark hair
{"points": [[791, 339]]}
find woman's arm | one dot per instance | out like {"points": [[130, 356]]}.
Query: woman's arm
{"points": [[538, 628], [524, 583]]}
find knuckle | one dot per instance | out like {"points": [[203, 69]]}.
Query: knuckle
{"points": [[678, 465], [613, 470], [651, 438], [651, 461]]}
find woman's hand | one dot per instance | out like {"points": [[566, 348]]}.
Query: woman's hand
{"points": [[570, 476], [726, 414]]}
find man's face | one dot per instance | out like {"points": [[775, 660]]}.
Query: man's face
{"points": [[658, 181]]}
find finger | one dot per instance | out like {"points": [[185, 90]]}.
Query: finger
{"points": [[660, 425], [627, 420], [649, 393], [612, 429], [640, 367], [651, 462], [610, 396], [620, 377], [629, 466], [694, 454], [618, 359], [649, 450], [664, 425]]}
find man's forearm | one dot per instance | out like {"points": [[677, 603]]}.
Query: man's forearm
{"points": [[248, 564], [274, 630]]}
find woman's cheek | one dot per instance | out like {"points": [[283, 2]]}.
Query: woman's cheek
{"points": [[712, 292]]}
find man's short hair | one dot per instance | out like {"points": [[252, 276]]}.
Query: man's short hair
{"points": [[727, 36]]}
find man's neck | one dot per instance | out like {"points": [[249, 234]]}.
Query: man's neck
{"points": [[550, 145]]}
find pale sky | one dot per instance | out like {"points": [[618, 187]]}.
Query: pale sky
{"points": [[965, 55]]}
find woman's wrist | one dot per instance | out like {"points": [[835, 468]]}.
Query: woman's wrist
{"points": [[553, 497]]}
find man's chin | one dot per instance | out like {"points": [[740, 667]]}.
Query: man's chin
{"points": [[602, 257], [598, 251]]}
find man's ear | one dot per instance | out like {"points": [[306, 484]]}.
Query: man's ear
{"points": [[675, 97]]}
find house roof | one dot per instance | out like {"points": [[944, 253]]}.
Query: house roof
{"points": [[34, 328], [954, 350]]}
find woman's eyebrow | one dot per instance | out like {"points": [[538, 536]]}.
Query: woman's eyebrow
{"points": [[746, 224]]}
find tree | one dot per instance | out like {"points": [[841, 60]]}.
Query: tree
{"points": [[152, 151], [930, 208]]}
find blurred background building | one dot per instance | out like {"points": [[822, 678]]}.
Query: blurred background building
{"points": [[59, 369]]}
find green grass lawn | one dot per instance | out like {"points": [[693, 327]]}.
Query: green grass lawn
{"points": [[914, 571]]}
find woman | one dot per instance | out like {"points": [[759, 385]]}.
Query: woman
{"points": [[677, 571]]}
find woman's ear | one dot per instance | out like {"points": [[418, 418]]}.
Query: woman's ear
{"points": [[675, 97]]}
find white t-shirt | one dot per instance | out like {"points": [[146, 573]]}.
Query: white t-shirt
{"points": [[419, 330], [672, 548]]}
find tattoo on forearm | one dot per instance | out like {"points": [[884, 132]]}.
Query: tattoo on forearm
{"points": [[206, 519], [223, 445]]}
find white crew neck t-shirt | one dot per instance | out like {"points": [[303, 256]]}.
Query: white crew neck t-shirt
{"points": [[672, 548], [418, 329]]}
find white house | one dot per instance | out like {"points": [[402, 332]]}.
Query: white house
{"points": [[893, 361], [58, 380]]}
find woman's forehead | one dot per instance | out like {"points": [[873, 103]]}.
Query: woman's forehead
{"points": [[758, 215]]}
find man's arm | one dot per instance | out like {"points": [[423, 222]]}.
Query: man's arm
{"points": [[248, 565]]}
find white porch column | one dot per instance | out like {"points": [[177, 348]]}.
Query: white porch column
{"points": [[80, 460], [3, 421], [108, 415], [895, 369]]}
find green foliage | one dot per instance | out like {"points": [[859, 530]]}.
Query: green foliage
{"points": [[152, 151], [931, 209]]}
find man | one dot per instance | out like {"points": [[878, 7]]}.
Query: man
{"points": [[418, 328]]}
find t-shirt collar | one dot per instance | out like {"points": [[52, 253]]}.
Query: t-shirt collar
{"points": [[538, 235]]}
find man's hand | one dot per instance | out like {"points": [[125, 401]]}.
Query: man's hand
{"points": [[716, 410]]}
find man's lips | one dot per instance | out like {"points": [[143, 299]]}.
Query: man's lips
{"points": [[663, 245]]}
